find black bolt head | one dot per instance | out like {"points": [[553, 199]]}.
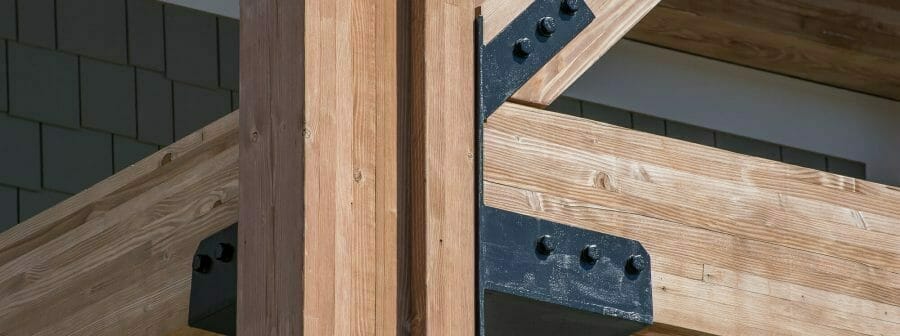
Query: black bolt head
{"points": [[524, 47], [590, 253], [224, 252], [547, 26], [201, 263], [546, 244], [571, 6], [636, 264]]}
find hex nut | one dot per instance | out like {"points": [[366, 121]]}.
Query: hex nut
{"points": [[224, 252], [590, 253], [547, 26], [201, 263], [524, 47], [546, 244]]}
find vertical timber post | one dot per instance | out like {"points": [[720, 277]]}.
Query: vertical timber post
{"points": [[271, 239], [442, 207], [320, 191]]}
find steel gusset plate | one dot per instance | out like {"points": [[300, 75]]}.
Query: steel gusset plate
{"points": [[537, 277], [503, 66], [213, 305]]}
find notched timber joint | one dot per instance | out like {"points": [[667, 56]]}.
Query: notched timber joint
{"points": [[214, 283], [519, 51]]}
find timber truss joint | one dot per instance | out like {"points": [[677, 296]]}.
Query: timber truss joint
{"points": [[519, 51]]}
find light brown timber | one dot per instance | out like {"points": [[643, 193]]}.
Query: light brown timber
{"points": [[319, 144], [738, 244], [850, 44], [441, 182], [115, 259]]}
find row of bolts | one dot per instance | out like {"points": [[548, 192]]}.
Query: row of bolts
{"points": [[546, 244], [546, 27]]}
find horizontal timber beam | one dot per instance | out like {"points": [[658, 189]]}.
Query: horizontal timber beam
{"points": [[739, 245]]}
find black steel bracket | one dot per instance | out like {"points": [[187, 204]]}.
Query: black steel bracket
{"points": [[538, 277], [516, 54], [214, 283]]}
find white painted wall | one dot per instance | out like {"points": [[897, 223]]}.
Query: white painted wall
{"points": [[757, 104]]}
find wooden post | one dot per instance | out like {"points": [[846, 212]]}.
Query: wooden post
{"points": [[319, 162], [442, 177]]}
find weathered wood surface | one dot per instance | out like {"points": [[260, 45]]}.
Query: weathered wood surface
{"points": [[271, 263], [441, 170], [613, 20], [188, 331], [851, 44], [116, 258], [739, 245], [319, 168]]}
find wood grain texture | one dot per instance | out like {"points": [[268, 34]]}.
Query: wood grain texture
{"points": [[441, 182], [271, 263], [115, 259], [739, 245], [320, 167], [613, 20], [188, 331], [850, 44]]}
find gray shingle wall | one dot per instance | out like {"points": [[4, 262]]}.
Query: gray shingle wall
{"points": [[731, 142], [89, 87]]}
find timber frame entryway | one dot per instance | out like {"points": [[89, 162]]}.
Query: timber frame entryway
{"points": [[393, 172]]}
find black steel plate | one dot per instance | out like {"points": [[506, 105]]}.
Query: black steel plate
{"points": [[502, 71], [559, 290], [214, 293]]}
